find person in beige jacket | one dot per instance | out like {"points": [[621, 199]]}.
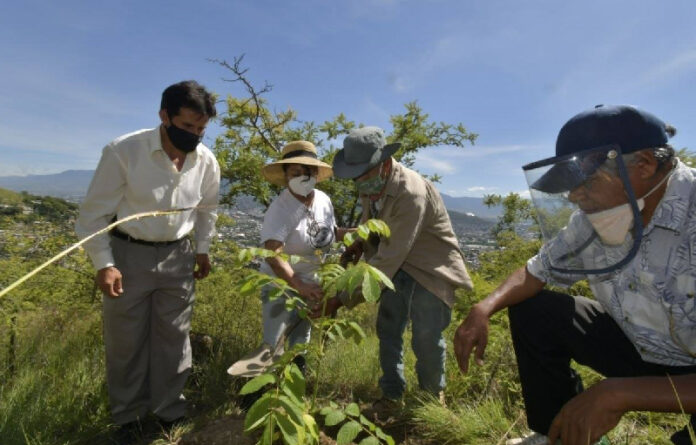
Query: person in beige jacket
{"points": [[422, 258]]}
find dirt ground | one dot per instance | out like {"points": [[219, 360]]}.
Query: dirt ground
{"points": [[230, 431]]}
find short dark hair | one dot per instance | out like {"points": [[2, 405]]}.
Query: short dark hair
{"points": [[188, 94]]}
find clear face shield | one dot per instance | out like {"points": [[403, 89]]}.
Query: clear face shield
{"points": [[587, 211]]}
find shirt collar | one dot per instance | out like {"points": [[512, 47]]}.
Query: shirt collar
{"points": [[674, 205], [394, 179]]}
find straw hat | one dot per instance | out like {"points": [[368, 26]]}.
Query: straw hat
{"points": [[256, 362], [296, 152]]}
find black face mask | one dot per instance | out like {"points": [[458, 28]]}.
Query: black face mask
{"points": [[182, 139]]}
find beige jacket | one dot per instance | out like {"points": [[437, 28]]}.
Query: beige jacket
{"points": [[422, 241]]}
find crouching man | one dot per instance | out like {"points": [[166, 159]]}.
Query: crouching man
{"points": [[617, 208]]}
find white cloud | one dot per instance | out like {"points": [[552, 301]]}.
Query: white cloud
{"points": [[429, 162], [525, 194], [480, 188], [676, 65]]}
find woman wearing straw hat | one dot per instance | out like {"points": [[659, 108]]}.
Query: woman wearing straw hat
{"points": [[299, 221]]}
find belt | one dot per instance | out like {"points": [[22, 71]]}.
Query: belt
{"points": [[124, 236]]}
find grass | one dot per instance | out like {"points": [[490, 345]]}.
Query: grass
{"points": [[57, 394]]}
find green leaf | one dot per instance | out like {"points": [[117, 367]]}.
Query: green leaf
{"points": [[294, 382], [366, 422], [359, 333], [311, 427], [347, 433], [338, 330], [258, 413], [291, 434], [354, 278], [353, 409], [349, 239], [371, 440], [257, 383], [267, 438], [380, 276], [292, 408], [334, 418], [384, 436], [370, 288], [363, 232]]}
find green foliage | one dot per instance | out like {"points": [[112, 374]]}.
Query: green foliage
{"points": [[354, 423], [254, 136], [516, 211], [284, 411]]}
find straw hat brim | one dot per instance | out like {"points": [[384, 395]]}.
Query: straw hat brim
{"points": [[275, 175], [255, 362]]}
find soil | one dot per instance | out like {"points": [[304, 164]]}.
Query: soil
{"points": [[230, 431]]}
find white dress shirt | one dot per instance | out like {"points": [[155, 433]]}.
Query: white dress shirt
{"points": [[135, 175]]}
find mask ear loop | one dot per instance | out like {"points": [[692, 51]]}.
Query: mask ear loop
{"points": [[637, 226]]}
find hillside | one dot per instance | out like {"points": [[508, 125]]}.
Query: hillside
{"points": [[8, 197], [70, 183]]}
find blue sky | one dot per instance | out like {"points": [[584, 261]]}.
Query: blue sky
{"points": [[77, 74]]}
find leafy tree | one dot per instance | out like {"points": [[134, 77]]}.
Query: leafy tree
{"points": [[254, 136]]}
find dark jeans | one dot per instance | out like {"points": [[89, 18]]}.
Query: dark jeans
{"points": [[550, 329]]}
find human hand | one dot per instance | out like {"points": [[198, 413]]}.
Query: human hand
{"points": [[471, 333], [352, 253], [332, 305], [309, 292], [202, 266], [588, 416], [110, 281]]}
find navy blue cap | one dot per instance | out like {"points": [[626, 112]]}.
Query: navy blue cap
{"points": [[628, 127]]}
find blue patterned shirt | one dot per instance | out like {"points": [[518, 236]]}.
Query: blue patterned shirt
{"points": [[652, 297]]}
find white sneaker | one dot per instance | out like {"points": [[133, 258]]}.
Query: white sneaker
{"points": [[531, 439]]}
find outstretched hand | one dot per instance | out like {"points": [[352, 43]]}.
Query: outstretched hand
{"points": [[471, 333]]}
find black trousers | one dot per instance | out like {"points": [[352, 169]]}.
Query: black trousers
{"points": [[550, 329]]}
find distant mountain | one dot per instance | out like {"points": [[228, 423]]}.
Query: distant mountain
{"points": [[70, 183], [469, 221], [74, 184], [468, 204]]}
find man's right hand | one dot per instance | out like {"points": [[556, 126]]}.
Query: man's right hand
{"points": [[110, 281], [472, 333]]}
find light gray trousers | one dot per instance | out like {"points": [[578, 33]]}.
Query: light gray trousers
{"points": [[146, 330]]}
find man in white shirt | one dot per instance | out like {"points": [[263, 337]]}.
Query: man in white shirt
{"points": [[146, 267]]}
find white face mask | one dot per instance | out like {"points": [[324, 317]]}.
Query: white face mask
{"points": [[302, 185], [612, 225]]}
